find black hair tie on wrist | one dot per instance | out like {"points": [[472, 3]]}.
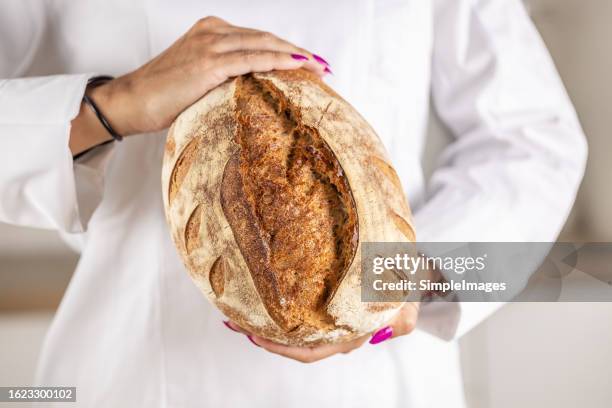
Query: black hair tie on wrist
{"points": [[93, 82]]}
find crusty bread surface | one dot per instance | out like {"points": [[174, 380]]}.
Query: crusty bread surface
{"points": [[271, 183]]}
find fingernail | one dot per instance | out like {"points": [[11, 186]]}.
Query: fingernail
{"points": [[320, 60], [299, 57], [226, 323], [252, 341], [328, 71], [383, 334]]}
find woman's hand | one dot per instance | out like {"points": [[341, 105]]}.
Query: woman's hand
{"points": [[402, 324], [151, 97]]}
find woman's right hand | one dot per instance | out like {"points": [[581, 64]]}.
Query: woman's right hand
{"points": [[151, 97]]}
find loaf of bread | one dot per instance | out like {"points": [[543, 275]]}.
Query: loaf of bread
{"points": [[271, 183]]}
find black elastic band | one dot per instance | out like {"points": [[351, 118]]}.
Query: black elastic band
{"points": [[93, 82]]}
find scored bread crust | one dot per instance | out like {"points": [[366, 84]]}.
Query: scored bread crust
{"points": [[202, 149]]}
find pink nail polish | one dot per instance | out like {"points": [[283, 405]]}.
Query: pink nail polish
{"points": [[252, 341], [383, 334], [299, 57], [320, 60], [328, 71], [226, 323]]}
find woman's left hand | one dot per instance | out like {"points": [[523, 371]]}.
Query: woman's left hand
{"points": [[402, 324]]}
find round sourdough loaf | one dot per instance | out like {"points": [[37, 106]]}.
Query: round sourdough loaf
{"points": [[271, 183]]}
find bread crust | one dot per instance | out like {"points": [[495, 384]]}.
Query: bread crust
{"points": [[219, 236]]}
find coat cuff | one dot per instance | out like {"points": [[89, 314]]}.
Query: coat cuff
{"points": [[40, 185]]}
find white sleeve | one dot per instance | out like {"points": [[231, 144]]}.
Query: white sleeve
{"points": [[513, 171], [40, 186]]}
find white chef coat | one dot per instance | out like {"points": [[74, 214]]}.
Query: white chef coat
{"points": [[132, 329]]}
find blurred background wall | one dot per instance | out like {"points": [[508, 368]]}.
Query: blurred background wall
{"points": [[578, 34], [527, 355]]}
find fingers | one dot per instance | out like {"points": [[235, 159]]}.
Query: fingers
{"points": [[256, 40], [308, 354], [403, 323], [242, 62], [301, 354], [234, 43], [234, 327], [263, 41]]}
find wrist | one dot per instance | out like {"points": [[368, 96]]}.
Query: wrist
{"points": [[114, 100]]}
